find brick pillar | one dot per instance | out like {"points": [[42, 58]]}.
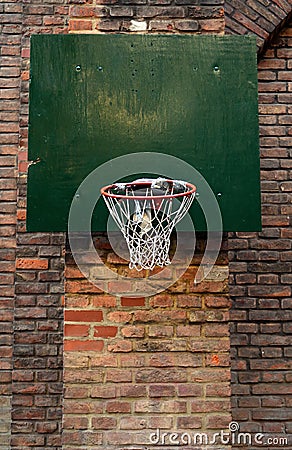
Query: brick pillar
{"points": [[38, 330], [135, 364], [260, 264], [9, 138]]}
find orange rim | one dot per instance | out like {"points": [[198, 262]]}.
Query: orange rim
{"points": [[144, 197]]}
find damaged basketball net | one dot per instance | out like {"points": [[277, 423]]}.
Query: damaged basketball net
{"points": [[146, 211]]}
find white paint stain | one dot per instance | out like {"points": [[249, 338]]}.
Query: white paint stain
{"points": [[138, 26]]}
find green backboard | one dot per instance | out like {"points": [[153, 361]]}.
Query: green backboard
{"points": [[96, 97]]}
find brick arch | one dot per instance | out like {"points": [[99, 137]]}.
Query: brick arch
{"points": [[264, 18]]}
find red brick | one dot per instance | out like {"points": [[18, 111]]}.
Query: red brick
{"points": [[161, 301], [109, 25], [83, 376], [150, 375], [221, 360], [27, 440], [76, 330], [104, 423], [81, 287], [216, 330], [83, 316], [188, 330], [160, 330], [104, 361], [80, 25], [103, 392], [217, 302], [27, 414], [209, 406], [27, 263], [119, 316], [75, 346], [133, 423], [76, 392], [160, 422], [73, 272], [132, 301], [132, 360], [189, 301], [189, 422], [105, 331], [76, 301], [133, 390], [118, 438], [120, 346], [190, 390], [119, 375], [77, 423], [82, 11], [218, 390], [120, 287], [71, 438], [159, 316], [220, 422], [210, 375], [118, 407], [161, 391], [133, 331], [103, 301], [154, 406]]}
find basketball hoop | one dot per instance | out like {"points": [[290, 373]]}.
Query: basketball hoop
{"points": [[146, 211]]}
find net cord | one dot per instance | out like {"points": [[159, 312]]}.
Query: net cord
{"points": [[147, 225]]}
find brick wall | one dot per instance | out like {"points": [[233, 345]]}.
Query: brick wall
{"points": [[260, 264], [135, 364]]}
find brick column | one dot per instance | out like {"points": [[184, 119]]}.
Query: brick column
{"points": [[133, 365], [261, 264], [38, 330], [9, 137]]}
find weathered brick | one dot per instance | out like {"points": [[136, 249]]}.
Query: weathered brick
{"points": [[133, 331], [120, 346], [80, 25], [161, 391], [104, 423]]}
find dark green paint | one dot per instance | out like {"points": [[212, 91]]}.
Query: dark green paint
{"points": [[143, 93]]}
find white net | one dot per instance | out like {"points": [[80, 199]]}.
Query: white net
{"points": [[146, 211]]}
